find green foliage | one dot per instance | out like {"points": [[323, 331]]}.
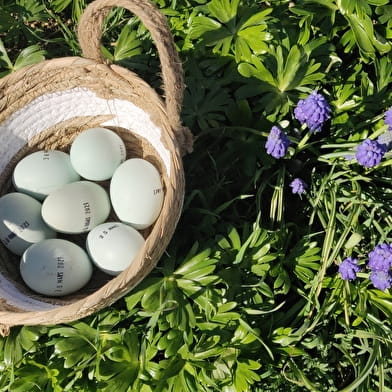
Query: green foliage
{"points": [[231, 29], [247, 296], [127, 45], [76, 7], [28, 56]]}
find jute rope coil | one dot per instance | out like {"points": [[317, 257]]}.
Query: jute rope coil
{"points": [[45, 106]]}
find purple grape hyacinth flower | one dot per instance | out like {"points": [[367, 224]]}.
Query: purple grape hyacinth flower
{"points": [[388, 118], [277, 143], [385, 139], [348, 268], [298, 186], [380, 258], [370, 153], [381, 279], [313, 111]]}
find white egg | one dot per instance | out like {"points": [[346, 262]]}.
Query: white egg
{"points": [[136, 193], [113, 246], [42, 172], [96, 153], [21, 224], [55, 267], [76, 207]]}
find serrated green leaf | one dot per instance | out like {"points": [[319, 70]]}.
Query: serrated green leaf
{"points": [[292, 64], [257, 18], [256, 69], [223, 10], [29, 335], [255, 38], [12, 354], [362, 32], [201, 25], [120, 367], [245, 375], [76, 344], [242, 50]]}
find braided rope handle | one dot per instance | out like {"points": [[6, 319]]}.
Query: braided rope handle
{"points": [[90, 33]]}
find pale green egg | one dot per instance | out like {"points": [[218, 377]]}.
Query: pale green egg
{"points": [[76, 208], [55, 267], [42, 172], [136, 193], [113, 246], [21, 224], [96, 153]]}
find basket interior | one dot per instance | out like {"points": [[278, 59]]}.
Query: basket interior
{"points": [[136, 148], [82, 95]]}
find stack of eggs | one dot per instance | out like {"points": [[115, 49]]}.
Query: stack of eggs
{"points": [[60, 193]]}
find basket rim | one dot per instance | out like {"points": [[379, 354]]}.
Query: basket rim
{"points": [[162, 230]]}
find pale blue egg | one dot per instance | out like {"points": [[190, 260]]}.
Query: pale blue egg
{"points": [[96, 153], [76, 208], [55, 267], [113, 246], [136, 193], [42, 172], [21, 224]]}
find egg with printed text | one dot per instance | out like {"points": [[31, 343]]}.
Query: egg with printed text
{"points": [[55, 267], [76, 208], [42, 172], [113, 246], [21, 224], [136, 193]]}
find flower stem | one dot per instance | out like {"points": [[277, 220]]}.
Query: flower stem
{"points": [[303, 141]]}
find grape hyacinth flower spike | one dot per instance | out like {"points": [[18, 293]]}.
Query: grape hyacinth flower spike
{"points": [[380, 264], [313, 111], [298, 186], [381, 280], [385, 140], [348, 269], [277, 143], [370, 153], [388, 118], [380, 258]]}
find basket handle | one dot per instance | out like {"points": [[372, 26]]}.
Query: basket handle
{"points": [[90, 33]]}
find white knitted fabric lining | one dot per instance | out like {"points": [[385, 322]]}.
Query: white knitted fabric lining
{"points": [[49, 109], [18, 299], [46, 111]]}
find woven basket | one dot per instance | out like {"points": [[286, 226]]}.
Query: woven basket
{"points": [[45, 106]]}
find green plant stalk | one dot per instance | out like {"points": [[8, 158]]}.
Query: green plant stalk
{"points": [[353, 218], [302, 380], [276, 209], [325, 253], [316, 202], [336, 249], [365, 371], [346, 290], [303, 141], [381, 375]]}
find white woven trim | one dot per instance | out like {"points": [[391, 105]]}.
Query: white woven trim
{"points": [[49, 109], [19, 300]]}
